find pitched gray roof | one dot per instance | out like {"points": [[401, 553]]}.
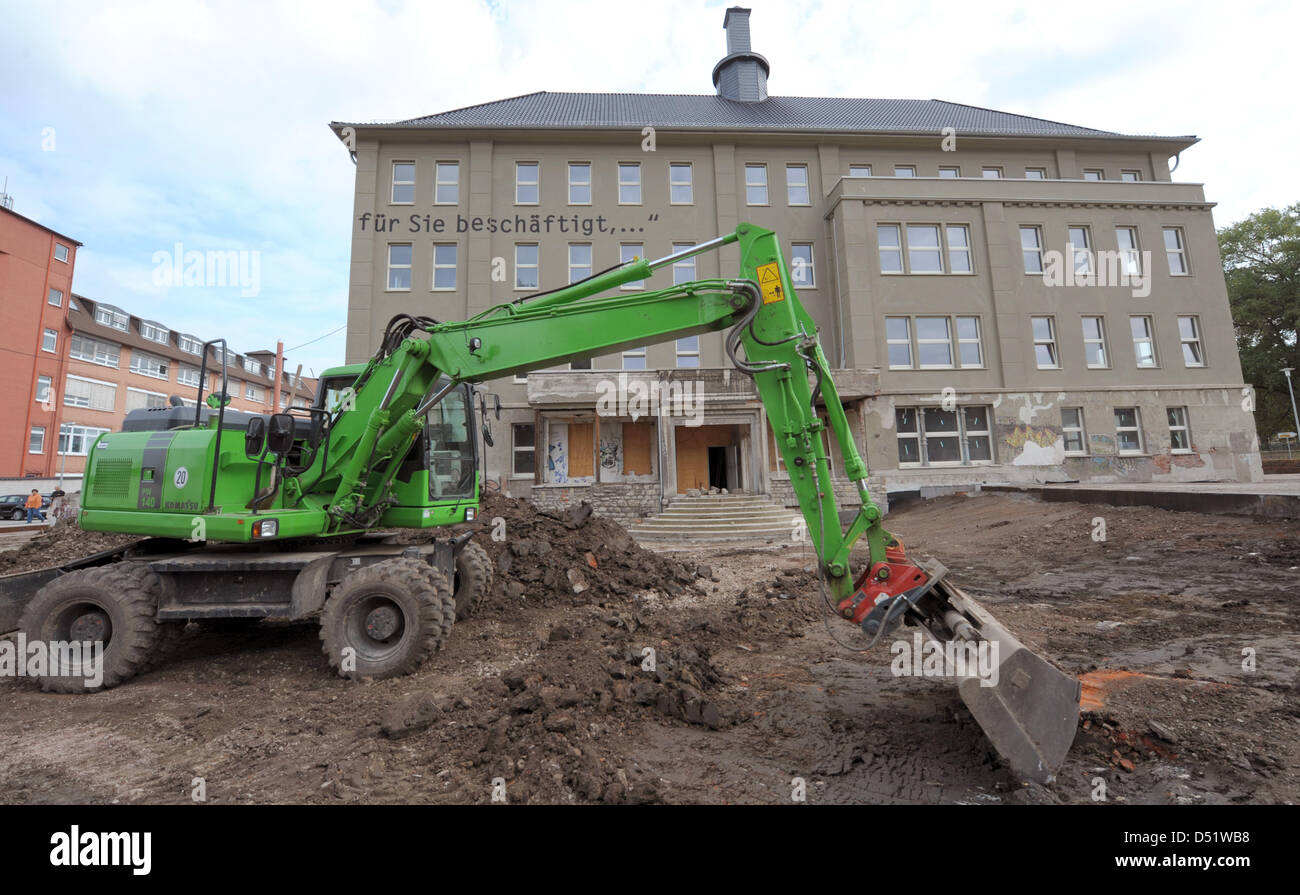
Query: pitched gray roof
{"points": [[777, 113]]}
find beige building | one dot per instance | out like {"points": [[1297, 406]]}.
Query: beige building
{"points": [[1007, 299]]}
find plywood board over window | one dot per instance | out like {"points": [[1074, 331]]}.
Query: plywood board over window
{"points": [[637, 440], [581, 450]]}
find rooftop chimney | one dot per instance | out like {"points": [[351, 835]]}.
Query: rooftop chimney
{"points": [[741, 75]]}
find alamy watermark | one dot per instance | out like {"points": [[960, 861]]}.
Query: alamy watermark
{"points": [[635, 398], [1101, 269], [214, 267], [953, 658], [53, 658]]}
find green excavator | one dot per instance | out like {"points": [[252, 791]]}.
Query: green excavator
{"points": [[291, 515]]}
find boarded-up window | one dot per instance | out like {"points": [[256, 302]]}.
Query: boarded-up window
{"points": [[637, 439], [581, 450]]}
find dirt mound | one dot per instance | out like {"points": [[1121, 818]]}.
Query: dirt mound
{"points": [[61, 544]]}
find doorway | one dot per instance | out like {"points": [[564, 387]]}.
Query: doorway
{"points": [[709, 457]]}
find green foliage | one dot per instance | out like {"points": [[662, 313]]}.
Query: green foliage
{"points": [[1261, 262]]}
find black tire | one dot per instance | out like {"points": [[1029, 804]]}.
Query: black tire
{"points": [[18, 515], [473, 579], [407, 600], [120, 599]]}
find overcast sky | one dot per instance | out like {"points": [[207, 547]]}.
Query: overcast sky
{"points": [[132, 127]]}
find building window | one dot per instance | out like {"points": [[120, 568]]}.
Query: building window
{"points": [[579, 261], [1180, 438], [36, 440], [254, 393], [681, 184], [1094, 343], [629, 183], [444, 266], [949, 173], [904, 170], [923, 249], [579, 183], [630, 251], [891, 248], [801, 265], [106, 354], [190, 345], [1045, 343], [1094, 174], [49, 340], [187, 375], [252, 366], [688, 351], [155, 332], [56, 298], [756, 184], [1128, 430], [527, 183], [60, 252], [634, 358], [859, 170], [1175, 251], [1130, 176], [970, 352], [1079, 245], [683, 270], [403, 183], [524, 449], [583, 364], [933, 436], [1031, 249], [1035, 174], [1144, 345], [43, 386], [148, 364], [1131, 258], [399, 267], [991, 173], [526, 265], [446, 186], [138, 398], [1076, 440], [933, 342], [958, 248], [796, 185], [76, 440], [1189, 333], [923, 252], [898, 339], [89, 393], [107, 315]]}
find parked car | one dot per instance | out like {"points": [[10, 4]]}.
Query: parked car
{"points": [[14, 506]]}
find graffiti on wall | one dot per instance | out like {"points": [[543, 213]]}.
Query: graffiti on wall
{"points": [[1032, 445], [557, 462], [611, 454]]}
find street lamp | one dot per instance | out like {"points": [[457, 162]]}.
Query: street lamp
{"points": [[1286, 371]]}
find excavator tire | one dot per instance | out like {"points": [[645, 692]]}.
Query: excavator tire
{"points": [[473, 579], [117, 602], [385, 620]]}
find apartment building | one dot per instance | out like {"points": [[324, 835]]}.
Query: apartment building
{"points": [[1005, 298]]}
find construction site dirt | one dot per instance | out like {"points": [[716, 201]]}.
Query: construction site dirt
{"points": [[599, 672]]}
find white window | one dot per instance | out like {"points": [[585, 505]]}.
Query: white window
{"points": [[187, 375], [526, 265], [137, 398], [49, 340], [1131, 258], [60, 252], [959, 260], [255, 393], [579, 261], [1180, 438], [252, 366], [229, 358], [923, 252], [446, 187], [579, 183], [683, 270], [933, 436], [898, 342], [1031, 249], [634, 358], [1094, 343], [904, 171], [155, 332], [1189, 333], [148, 364], [933, 342], [1144, 345], [801, 265], [1072, 432], [859, 170], [76, 440], [1130, 176], [89, 393], [107, 315], [630, 251], [403, 183], [43, 386], [36, 440], [924, 248], [1128, 430], [1035, 174], [991, 173], [106, 354], [444, 266], [756, 184], [688, 351], [1175, 251], [796, 185], [56, 298], [629, 183], [949, 172], [890, 245], [1094, 174], [970, 352], [524, 449], [527, 183], [1079, 246], [399, 267], [681, 184], [190, 345], [1045, 343]]}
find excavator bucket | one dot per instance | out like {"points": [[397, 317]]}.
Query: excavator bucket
{"points": [[1027, 707]]}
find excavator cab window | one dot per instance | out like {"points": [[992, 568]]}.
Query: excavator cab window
{"points": [[450, 453]]}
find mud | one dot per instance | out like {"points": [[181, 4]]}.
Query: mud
{"points": [[719, 676], [58, 545]]}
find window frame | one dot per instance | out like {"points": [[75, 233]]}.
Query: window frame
{"points": [[1150, 338], [50, 340], [992, 172], [1052, 340], [391, 267], [589, 267], [811, 282], [1180, 252], [963, 432], [790, 186], [87, 402], [1099, 172], [67, 252], [639, 184], [1040, 172], [1099, 339], [439, 183], [689, 185], [95, 344], [688, 352], [32, 437], [1197, 339], [580, 184], [867, 167], [395, 183], [54, 297], [1037, 250], [1081, 428], [1076, 253], [767, 195], [911, 169], [535, 267], [524, 184], [639, 352], [48, 383], [117, 318], [1185, 427], [906, 340], [145, 357], [955, 169], [516, 448], [947, 340], [1136, 427], [87, 434], [1132, 255], [454, 267], [1125, 178]]}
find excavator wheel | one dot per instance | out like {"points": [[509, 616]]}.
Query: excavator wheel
{"points": [[385, 620], [473, 579], [114, 604]]}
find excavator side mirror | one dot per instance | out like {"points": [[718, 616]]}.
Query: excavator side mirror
{"points": [[487, 435], [317, 430], [255, 437], [279, 436], [217, 399]]}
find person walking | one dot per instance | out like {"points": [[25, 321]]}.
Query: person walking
{"points": [[56, 503], [34, 506]]}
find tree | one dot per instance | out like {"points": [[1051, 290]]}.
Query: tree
{"points": [[1261, 262]]}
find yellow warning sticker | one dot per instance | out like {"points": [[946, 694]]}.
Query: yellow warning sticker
{"points": [[769, 283]]}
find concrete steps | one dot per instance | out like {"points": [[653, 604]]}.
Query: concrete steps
{"points": [[717, 517]]}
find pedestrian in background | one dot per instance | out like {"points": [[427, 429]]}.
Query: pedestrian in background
{"points": [[34, 506]]}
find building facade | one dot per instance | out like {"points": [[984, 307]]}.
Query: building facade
{"points": [[1005, 299]]}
